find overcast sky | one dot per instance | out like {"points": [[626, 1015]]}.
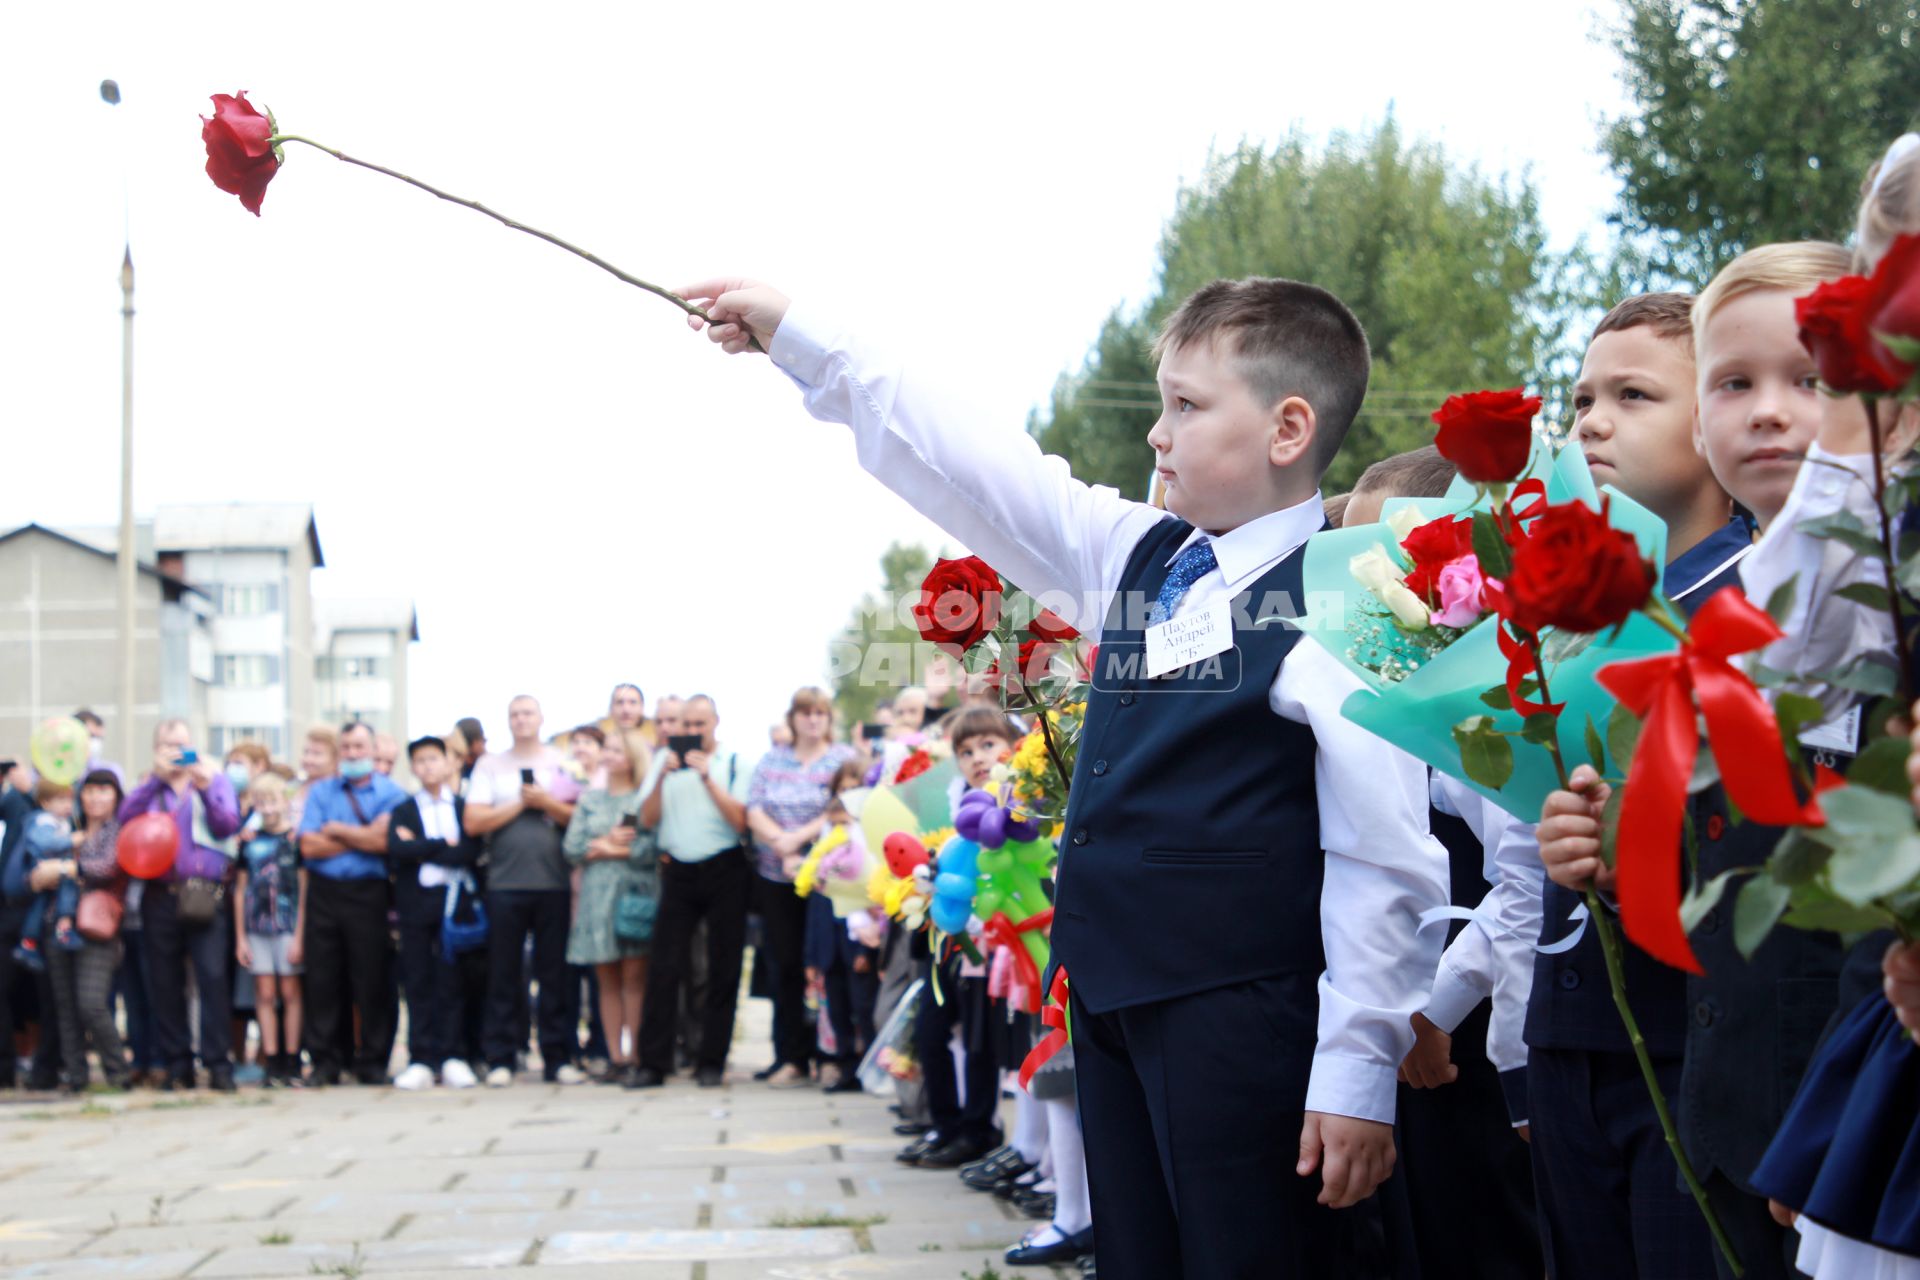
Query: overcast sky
{"points": [[573, 488]]}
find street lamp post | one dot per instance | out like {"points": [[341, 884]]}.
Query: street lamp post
{"points": [[129, 577]]}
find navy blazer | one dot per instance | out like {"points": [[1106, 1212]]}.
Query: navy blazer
{"points": [[404, 858]]}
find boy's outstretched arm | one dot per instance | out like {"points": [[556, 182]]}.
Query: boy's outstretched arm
{"points": [[978, 476]]}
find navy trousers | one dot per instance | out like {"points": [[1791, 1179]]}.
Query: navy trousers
{"points": [[1611, 1201], [1192, 1110]]}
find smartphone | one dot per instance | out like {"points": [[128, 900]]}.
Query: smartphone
{"points": [[188, 756], [526, 777], [873, 732], [683, 743]]}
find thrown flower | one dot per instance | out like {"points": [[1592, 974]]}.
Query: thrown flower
{"points": [[241, 157]]}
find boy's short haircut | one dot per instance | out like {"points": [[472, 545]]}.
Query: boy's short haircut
{"points": [[1669, 315], [1335, 508], [267, 786], [1889, 205], [1288, 338], [1417, 473], [1794, 267], [425, 742], [47, 790], [981, 722]]}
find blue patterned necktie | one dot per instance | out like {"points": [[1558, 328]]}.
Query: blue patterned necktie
{"points": [[1193, 564]]}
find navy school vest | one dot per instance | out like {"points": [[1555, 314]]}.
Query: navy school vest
{"points": [[1191, 852]]}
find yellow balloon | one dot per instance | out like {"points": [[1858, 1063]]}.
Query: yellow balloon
{"points": [[59, 748], [881, 813]]}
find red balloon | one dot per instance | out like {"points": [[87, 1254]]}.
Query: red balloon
{"points": [[904, 853], [147, 845]]}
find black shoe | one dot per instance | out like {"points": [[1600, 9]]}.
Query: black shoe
{"points": [[766, 1073], [1008, 1188], [1077, 1245], [220, 1079], [709, 1077], [911, 1153], [372, 1077], [951, 1155], [1038, 1205], [183, 1080], [847, 1083], [325, 1077], [644, 1078], [911, 1128], [1086, 1268], [996, 1166]]}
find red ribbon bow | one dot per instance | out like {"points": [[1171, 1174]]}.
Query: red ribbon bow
{"points": [[1055, 1016], [1002, 932], [1662, 691]]}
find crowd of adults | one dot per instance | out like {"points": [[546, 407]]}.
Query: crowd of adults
{"points": [[594, 892]]}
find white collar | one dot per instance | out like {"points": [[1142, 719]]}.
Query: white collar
{"points": [[1244, 552]]}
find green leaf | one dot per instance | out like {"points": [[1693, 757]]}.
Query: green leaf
{"points": [[1847, 529], [1834, 915], [1562, 645], [1780, 603], [1485, 753], [1490, 548], [1862, 870], [1770, 677], [1855, 812], [1906, 350], [1799, 856], [1596, 750], [1541, 729], [1610, 824], [1759, 905], [1794, 711], [1623, 731], [1870, 594], [1862, 675], [1698, 901], [1882, 767], [1497, 698], [1908, 575]]}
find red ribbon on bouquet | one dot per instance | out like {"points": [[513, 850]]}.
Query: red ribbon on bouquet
{"points": [[1523, 660], [1662, 690], [1002, 932], [1055, 1016]]}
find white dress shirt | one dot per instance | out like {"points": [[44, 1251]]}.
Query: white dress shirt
{"points": [[1066, 543], [437, 823], [1823, 630], [1493, 954]]}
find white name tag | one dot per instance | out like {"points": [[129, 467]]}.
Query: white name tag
{"points": [[1182, 641], [1841, 736]]}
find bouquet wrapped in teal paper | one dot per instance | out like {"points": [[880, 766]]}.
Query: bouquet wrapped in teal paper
{"points": [[1405, 605]]}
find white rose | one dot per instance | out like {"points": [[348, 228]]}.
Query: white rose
{"points": [[1405, 521], [1377, 572]]}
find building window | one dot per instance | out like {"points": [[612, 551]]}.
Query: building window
{"points": [[349, 668], [246, 670], [227, 737], [251, 598]]}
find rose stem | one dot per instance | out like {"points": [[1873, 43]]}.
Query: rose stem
{"points": [[502, 219], [1900, 639]]}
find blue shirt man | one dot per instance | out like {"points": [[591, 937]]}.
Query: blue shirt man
{"points": [[343, 829]]}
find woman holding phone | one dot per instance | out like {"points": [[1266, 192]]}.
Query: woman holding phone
{"points": [[619, 883], [785, 803]]}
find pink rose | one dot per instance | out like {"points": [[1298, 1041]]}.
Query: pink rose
{"points": [[1459, 587]]}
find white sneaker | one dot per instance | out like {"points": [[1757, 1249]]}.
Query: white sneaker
{"points": [[569, 1074], [499, 1077], [456, 1074], [417, 1076]]}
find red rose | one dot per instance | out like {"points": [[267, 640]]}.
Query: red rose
{"points": [[238, 158], [1574, 571], [1487, 434], [1048, 625], [1840, 319], [959, 603], [1035, 657], [1432, 547]]}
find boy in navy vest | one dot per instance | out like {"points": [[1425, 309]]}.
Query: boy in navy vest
{"points": [[1242, 869], [1731, 1045]]}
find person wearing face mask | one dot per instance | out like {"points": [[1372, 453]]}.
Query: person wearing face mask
{"points": [[96, 755], [246, 761], [348, 953]]}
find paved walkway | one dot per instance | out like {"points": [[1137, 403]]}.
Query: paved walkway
{"points": [[681, 1182]]}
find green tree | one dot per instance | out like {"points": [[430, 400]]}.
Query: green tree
{"points": [[879, 652], [1753, 121], [1447, 269]]}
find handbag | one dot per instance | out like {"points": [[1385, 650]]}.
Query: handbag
{"points": [[98, 915], [197, 901], [457, 935], [633, 916]]}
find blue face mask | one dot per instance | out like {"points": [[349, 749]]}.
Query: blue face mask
{"points": [[354, 770], [237, 774]]}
